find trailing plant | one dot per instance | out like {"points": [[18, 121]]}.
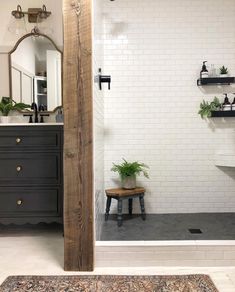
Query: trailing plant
{"points": [[7, 104], [223, 70], [207, 107], [128, 169]]}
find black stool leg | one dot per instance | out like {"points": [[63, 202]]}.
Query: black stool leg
{"points": [[130, 206], [143, 215], [108, 203], [119, 216]]}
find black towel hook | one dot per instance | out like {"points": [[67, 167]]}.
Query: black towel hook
{"points": [[103, 79]]}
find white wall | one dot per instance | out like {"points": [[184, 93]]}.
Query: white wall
{"points": [[8, 39], [154, 50], [4, 75], [98, 117], [24, 56]]}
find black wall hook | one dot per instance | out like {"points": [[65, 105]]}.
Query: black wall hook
{"points": [[103, 79]]}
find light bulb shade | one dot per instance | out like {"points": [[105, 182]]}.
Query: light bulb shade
{"points": [[17, 26], [43, 29], [43, 26]]}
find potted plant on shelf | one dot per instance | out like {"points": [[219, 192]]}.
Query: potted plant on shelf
{"points": [[128, 172], [7, 104], [206, 107], [223, 71]]}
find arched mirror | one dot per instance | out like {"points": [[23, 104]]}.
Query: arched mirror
{"points": [[35, 66]]}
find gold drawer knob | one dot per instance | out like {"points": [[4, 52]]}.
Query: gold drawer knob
{"points": [[19, 202], [18, 168], [18, 140]]}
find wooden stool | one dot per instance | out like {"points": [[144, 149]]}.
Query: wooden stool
{"points": [[120, 195]]}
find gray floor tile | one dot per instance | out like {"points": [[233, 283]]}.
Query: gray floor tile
{"points": [[214, 226]]}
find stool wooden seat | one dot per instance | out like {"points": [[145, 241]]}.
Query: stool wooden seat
{"points": [[120, 194]]}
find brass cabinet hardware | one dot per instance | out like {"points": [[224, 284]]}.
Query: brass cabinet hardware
{"points": [[19, 202], [18, 168], [18, 140]]}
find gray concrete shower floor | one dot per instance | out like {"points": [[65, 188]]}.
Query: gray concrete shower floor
{"points": [[214, 226]]}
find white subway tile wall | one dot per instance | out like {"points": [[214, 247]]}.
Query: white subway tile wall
{"points": [[98, 118], [154, 51], [193, 255]]}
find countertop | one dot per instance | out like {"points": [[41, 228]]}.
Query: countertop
{"points": [[30, 124]]}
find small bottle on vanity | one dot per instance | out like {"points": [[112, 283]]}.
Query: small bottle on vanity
{"points": [[226, 104], [59, 117], [233, 104]]}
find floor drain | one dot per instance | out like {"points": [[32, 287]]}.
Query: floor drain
{"points": [[195, 231]]}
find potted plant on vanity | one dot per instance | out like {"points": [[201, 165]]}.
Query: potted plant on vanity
{"points": [[128, 172], [7, 104]]}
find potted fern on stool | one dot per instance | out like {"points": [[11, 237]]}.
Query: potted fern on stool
{"points": [[128, 172]]}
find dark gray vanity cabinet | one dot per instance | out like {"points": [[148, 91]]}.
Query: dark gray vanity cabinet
{"points": [[31, 174]]}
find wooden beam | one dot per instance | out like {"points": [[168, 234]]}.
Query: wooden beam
{"points": [[78, 144]]}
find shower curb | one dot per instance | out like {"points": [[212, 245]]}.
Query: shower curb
{"points": [[193, 253]]}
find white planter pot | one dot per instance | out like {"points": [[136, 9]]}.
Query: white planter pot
{"points": [[223, 75], [129, 182], [4, 119]]}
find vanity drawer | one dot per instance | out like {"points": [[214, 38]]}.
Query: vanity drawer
{"points": [[21, 138], [30, 168], [31, 174], [25, 202]]}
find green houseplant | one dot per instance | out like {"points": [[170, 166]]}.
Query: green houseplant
{"points": [[128, 172], [207, 107], [7, 104], [223, 71]]}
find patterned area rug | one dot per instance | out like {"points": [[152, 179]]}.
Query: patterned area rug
{"points": [[189, 283]]}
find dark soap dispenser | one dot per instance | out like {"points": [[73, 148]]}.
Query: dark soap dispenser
{"points": [[233, 103], [204, 72], [226, 104]]}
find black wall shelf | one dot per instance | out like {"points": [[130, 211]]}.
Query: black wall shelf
{"points": [[215, 81], [222, 114]]}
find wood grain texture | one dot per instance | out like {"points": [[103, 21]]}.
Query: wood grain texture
{"points": [[119, 192], [78, 144]]}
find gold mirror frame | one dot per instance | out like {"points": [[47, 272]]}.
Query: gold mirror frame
{"points": [[35, 34]]}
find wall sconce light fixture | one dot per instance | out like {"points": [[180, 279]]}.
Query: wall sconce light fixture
{"points": [[18, 13], [34, 14], [43, 14]]}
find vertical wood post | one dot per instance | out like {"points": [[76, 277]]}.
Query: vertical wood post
{"points": [[78, 144]]}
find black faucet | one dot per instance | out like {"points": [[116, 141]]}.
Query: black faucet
{"points": [[35, 108]]}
